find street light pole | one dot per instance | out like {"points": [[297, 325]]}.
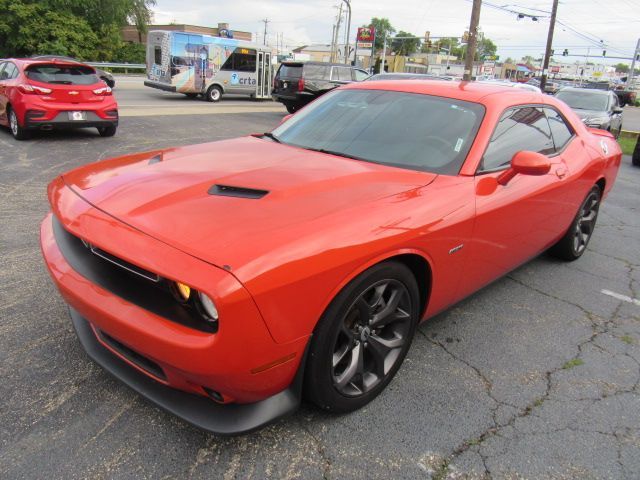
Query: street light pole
{"points": [[473, 40], [346, 46], [384, 54], [547, 55]]}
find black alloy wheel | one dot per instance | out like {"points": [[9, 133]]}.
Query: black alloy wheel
{"points": [[586, 223], [574, 243], [363, 338]]}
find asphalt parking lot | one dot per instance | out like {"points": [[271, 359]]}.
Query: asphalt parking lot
{"points": [[535, 376]]}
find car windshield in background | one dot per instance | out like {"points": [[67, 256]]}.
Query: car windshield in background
{"points": [[407, 130], [584, 100], [62, 74]]}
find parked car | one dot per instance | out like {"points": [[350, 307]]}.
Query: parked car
{"points": [[596, 108], [54, 94], [550, 86], [105, 76], [507, 83], [635, 158], [406, 76], [625, 96], [223, 280], [297, 83]]}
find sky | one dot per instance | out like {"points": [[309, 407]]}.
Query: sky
{"points": [[302, 22]]}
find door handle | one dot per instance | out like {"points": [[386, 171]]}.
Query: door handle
{"points": [[561, 172]]}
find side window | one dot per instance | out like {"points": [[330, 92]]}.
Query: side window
{"points": [[241, 60], [341, 74], [10, 71], [2, 66], [524, 128], [560, 131], [360, 75], [614, 101], [157, 55]]}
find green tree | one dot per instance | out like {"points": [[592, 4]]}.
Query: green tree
{"points": [[383, 28], [486, 48], [622, 68], [405, 46], [87, 29], [509, 60]]}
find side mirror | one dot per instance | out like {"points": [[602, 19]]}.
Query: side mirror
{"points": [[525, 163], [617, 110], [285, 118]]}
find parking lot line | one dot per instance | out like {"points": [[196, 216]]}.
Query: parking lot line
{"points": [[619, 296]]}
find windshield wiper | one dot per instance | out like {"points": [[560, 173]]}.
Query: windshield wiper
{"points": [[272, 137], [333, 152]]}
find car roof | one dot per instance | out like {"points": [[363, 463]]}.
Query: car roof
{"points": [[477, 92], [34, 61], [326, 64]]}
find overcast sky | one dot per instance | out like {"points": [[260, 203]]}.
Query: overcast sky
{"points": [[302, 22]]}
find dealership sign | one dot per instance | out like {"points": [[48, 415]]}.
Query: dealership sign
{"points": [[365, 39]]}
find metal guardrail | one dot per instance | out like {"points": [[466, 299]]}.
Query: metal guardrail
{"points": [[132, 66]]}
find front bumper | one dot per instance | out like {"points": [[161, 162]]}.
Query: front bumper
{"points": [[230, 419], [240, 361]]}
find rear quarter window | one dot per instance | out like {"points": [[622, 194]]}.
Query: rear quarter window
{"points": [[316, 72], [62, 74]]}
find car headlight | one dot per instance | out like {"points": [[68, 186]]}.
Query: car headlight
{"points": [[208, 306], [596, 120]]}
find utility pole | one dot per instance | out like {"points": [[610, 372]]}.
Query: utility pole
{"points": [[346, 46], [547, 55], [336, 36], [384, 54], [473, 40], [264, 38], [633, 64]]}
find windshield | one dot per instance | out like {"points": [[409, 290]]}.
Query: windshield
{"points": [[584, 100], [62, 74], [408, 130]]}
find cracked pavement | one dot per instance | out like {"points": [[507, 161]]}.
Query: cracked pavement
{"points": [[536, 376]]}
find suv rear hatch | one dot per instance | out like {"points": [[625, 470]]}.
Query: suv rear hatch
{"points": [[289, 79], [66, 82]]}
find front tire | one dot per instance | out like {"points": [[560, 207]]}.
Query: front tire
{"points": [[18, 132], [575, 241], [291, 107], [362, 338], [214, 94]]}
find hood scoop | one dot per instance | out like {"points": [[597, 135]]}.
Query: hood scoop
{"points": [[240, 192]]}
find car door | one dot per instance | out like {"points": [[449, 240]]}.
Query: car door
{"points": [[616, 114], [516, 221], [3, 94]]}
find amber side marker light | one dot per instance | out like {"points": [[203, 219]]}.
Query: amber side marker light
{"points": [[183, 290], [275, 363]]}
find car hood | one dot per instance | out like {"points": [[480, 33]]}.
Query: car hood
{"points": [[172, 196], [590, 113]]}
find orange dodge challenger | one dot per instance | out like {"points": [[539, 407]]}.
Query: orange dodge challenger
{"points": [[227, 280]]}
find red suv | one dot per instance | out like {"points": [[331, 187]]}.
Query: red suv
{"points": [[48, 94]]}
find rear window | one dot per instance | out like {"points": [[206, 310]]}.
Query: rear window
{"points": [[290, 71], [62, 74]]}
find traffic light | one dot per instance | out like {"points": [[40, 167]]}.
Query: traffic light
{"points": [[552, 52], [427, 34], [604, 53], [465, 37], [565, 52]]}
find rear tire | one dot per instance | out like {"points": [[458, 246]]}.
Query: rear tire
{"points": [[575, 241], [109, 131], [362, 338], [214, 94], [291, 107], [18, 132]]}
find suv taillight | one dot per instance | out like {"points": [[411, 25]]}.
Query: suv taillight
{"points": [[301, 84], [33, 89]]}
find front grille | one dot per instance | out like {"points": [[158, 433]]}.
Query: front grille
{"points": [[118, 277], [134, 357]]}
